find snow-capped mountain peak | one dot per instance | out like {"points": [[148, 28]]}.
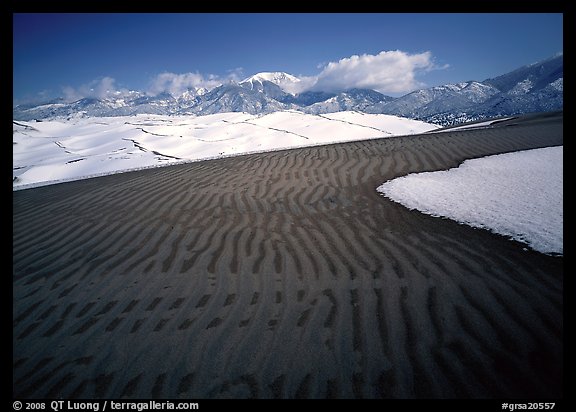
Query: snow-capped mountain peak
{"points": [[277, 78], [283, 80]]}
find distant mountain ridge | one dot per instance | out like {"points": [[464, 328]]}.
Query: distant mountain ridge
{"points": [[531, 88]]}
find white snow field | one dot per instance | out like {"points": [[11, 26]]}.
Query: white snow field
{"points": [[61, 150], [516, 194]]}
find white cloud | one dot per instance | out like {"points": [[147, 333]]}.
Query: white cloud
{"points": [[173, 83], [236, 74], [305, 83], [386, 72], [176, 84], [100, 88]]}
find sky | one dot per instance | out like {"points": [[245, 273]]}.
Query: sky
{"points": [[81, 55]]}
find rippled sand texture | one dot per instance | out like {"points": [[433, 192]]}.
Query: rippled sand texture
{"points": [[281, 275]]}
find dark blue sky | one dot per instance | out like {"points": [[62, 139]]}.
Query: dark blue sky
{"points": [[53, 52]]}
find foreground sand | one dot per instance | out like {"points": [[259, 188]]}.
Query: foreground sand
{"points": [[281, 275]]}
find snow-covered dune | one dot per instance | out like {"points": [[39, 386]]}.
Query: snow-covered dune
{"points": [[514, 194], [54, 151]]}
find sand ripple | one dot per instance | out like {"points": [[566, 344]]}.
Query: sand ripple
{"points": [[281, 275]]}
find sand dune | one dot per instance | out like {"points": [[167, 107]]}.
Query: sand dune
{"points": [[282, 275]]}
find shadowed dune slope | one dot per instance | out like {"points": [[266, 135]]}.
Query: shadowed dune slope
{"points": [[282, 275]]}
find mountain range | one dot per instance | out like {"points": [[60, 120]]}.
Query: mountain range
{"points": [[536, 87]]}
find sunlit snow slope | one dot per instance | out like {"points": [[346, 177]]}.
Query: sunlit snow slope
{"points": [[54, 151], [516, 194]]}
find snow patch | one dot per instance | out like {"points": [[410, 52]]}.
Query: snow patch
{"points": [[518, 194], [522, 87], [558, 84]]}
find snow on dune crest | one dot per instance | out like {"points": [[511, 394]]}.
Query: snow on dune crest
{"points": [[54, 151]]}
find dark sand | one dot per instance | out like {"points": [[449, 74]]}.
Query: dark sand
{"points": [[282, 275]]}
